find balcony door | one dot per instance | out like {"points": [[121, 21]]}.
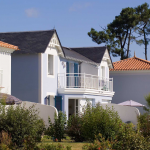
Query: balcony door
{"points": [[72, 71]]}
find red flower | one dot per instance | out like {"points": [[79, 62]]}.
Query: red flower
{"points": [[99, 148]]}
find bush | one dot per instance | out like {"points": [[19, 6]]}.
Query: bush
{"points": [[21, 123], [97, 120], [99, 144], [144, 120], [74, 128], [144, 124], [57, 129], [5, 141], [129, 138]]}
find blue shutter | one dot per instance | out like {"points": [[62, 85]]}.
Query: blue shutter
{"points": [[67, 71], [58, 103], [45, 100], [76, 74], [48, 98]]}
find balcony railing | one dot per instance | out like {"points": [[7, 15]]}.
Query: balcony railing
{"points": [[85, 81]]}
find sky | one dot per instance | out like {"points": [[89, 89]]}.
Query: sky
{"points": [[72, 19]]}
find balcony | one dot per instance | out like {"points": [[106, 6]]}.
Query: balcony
{"points": [[84, 83]]}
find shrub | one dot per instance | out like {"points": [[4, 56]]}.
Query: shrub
{"points": [[144, 124], [74, 128], [5, 141], [99, 144], [97, 120], [21, 123], [129, 138], [57, 129]]}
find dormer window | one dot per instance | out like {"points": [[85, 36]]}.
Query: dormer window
{"points": [[50, 65]]}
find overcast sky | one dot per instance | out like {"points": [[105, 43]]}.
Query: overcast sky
{"points": [[71, 18]]}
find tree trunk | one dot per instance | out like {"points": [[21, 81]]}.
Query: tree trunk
{"points": [[129, 38], [145, 42]]}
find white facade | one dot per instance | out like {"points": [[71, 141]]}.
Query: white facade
{"points": [[5, 70]]}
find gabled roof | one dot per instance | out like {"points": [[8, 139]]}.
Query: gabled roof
{"points": [[93, 53], [37, 41], [133, 63], [70, 54], [6, 45], [29, 41]]}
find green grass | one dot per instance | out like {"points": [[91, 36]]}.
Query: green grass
{"points": [[65, 142]]}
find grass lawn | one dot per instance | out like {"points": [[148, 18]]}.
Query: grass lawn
{"points": [[67, 142]]}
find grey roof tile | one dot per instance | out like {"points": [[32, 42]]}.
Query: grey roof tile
{"points": [[76, 56], [28, 41], [93, 53]]}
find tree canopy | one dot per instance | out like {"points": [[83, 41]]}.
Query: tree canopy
{"points": [[123, 30]]}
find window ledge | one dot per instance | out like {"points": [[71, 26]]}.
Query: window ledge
{"points": [[50, 76]]}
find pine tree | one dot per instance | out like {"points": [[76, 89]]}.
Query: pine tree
{"points": [[117, 33], [143, 27]]}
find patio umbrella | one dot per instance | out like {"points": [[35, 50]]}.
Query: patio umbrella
{"points": [[10, 99], [131, 103]]}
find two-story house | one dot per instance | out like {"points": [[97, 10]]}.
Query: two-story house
{"points": [[5, 66], [45, 72]]}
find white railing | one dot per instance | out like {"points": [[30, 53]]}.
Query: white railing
{"points": [[86, 81]]}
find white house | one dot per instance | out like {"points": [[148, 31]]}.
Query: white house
{"points": [[131, 80], [45, 72], [5, 66]]}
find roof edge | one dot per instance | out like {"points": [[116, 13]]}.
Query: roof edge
{"points": [[27, 31], [89, 47]]}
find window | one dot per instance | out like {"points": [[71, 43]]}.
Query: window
{"points": [[50, 65], [1, 77]]}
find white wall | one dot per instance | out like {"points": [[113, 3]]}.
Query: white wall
{"points": [[88, 69], [49, 82], [5, 66], [44, 111], [131, 85], [126, 113]]}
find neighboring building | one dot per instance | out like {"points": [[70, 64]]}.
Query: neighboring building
{"points": [[131, 80], [5, 66], [45, 72]]}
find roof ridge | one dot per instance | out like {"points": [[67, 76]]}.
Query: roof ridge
{"points": [[119, 61], [131, 58], [142, 59], [89, 47], [29, 31]]}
